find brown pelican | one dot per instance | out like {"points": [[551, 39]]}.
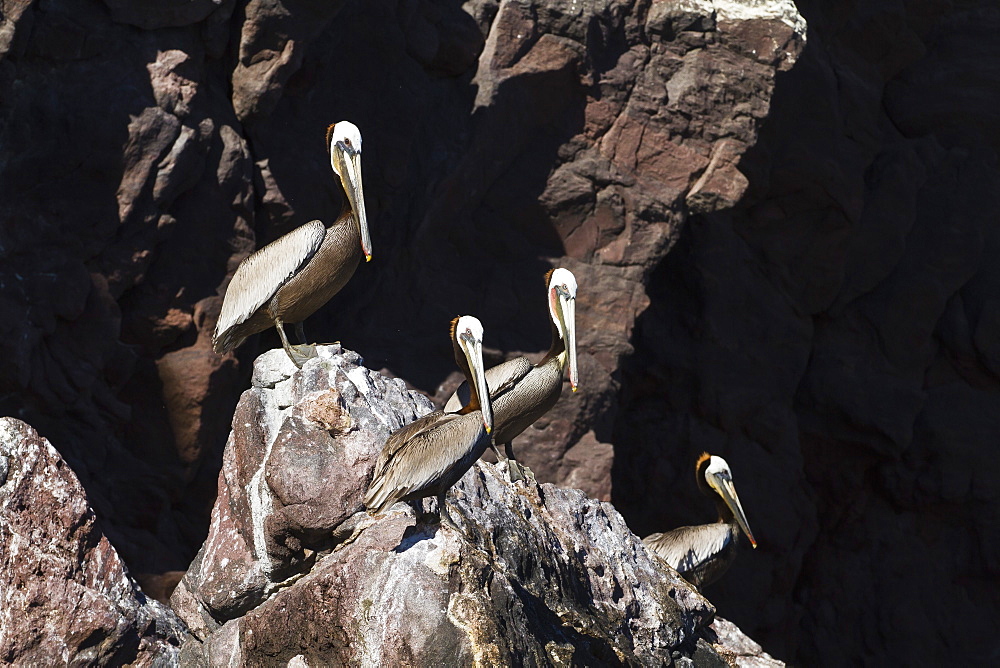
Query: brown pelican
{"points": [[701, 554], [291, 277], [522, 392], [429, 455]]}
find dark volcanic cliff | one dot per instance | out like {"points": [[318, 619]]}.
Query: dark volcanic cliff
{"points": [[784, 250]]}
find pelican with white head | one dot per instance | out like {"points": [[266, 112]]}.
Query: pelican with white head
{"points": [[701, 554], [289, 279], [521, 391]]}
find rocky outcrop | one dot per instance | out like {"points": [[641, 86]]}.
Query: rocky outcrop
{"points": [[67, 597], [292, 568], [736, 648], [199, 136]]}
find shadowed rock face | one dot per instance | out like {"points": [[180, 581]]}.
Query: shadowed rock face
{"points": [[828, 336], [537, 574], [67, 597], [783, 253], [149, 151]]}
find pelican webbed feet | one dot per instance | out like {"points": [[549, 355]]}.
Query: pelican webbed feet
{"points": [[515, 471], [300, 353]]}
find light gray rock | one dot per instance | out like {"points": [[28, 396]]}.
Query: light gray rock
{"points": [[296, 466], [738, 649], [293, 569]]}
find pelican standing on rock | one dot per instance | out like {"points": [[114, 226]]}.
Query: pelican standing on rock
{"points": [[521, 391], [429, 455], [701, 554], [293, 276]]}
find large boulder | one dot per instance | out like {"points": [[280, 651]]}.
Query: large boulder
{"points": [[294, 568], [67, 597]]}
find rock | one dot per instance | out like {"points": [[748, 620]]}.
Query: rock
{"points": [[294, 469], [16, 21], [736, 648], [273, 42], [162, 13], [97, 366], [817, 334], [293, 567], [67, 596], [198, 148]]}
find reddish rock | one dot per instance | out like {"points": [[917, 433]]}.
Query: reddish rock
{"points": [[67, 596], [273, 41], [817, 333]]}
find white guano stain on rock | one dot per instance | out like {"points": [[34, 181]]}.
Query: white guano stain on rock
{"points": [[748, 10], [466, 612]]}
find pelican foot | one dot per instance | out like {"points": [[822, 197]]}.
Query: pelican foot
{"points": [[301, 353], [446, 520], [519, 472]]}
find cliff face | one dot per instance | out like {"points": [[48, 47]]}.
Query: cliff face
{"points": [[783, 251], [833, 332], [151, 150]]}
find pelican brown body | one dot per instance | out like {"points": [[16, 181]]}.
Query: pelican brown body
{"points": [[701, 554], [429, 455], [522, 392], [289, 279]]}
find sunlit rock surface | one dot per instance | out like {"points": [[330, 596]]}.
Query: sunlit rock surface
{"points": [[290, 568]]}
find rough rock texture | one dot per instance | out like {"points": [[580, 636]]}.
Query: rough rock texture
{"points": [[537, 575], [736, 648], [151, 148], [814, 293], [128, 196], [832, 335], [66, 596]]}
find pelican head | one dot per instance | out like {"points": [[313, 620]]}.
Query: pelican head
{"points": [[562, 309], [719, 478], [343, 140], [467, 332]]}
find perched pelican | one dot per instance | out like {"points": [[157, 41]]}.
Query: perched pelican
{"points": [[522, 392], [429, 455], [291, 277], [701, 554]]}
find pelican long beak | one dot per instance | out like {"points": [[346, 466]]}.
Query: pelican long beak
{"points": [[567, 318], [728, 491], [349, 167], [473, 350]]}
